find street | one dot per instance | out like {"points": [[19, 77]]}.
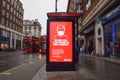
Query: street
{"points": [[13, 59], [17, 66]]}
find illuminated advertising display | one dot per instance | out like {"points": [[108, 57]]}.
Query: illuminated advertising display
{"points": [[60, 41]]}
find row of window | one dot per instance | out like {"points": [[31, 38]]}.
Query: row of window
{"points": [[10, 25], [30, 33], [6, 33], [3, 20], [12, 18], [30, 27], [13, 12], [16, 5]]}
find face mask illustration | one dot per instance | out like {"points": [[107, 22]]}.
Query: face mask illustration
{"points": [[60, 30], [60, 33]]}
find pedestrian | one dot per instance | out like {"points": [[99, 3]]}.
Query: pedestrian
{"points": [[83, 49], [79, 49], [107, 51], [90, 48]]}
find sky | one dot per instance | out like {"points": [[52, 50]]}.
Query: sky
{"points": [[38, 9]]}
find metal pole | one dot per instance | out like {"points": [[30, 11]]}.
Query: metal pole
{"points": [[56, 5]]}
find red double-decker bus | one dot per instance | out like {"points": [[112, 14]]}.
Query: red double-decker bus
{"points": [[43, 44], [31, 44]]}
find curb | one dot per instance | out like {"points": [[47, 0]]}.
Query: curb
{"points": [[108, 59]]}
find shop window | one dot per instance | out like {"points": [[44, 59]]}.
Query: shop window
{"points": [[118, 33], [108, 34]]}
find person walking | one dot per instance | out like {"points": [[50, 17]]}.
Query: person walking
{"points": [[90, 48]]}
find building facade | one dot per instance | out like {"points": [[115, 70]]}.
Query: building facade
{"points": [[32, 28], [99, 24], [11, 24]]}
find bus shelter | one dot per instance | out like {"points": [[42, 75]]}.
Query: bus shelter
{"points": [[62, 46]]}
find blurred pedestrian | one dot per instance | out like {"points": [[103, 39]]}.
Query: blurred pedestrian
{"points": [[90, 48], [107, 51]]}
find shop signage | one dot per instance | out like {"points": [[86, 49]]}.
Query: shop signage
{"points": [[111, 14], [60, 45]]}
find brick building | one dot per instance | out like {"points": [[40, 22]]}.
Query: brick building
{"points": [[11, 23], [99, 23]]}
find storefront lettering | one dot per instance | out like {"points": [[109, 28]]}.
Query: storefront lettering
{"points": [[112, 12]]}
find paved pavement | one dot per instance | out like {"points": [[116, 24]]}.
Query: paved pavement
{"points": [[111, 59], [80, 74]]}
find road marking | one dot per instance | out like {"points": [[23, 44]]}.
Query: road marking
{"points": [[4, 73], [8, 72]]}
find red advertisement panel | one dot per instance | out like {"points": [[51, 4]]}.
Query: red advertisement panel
{"points": [[60, 45]]}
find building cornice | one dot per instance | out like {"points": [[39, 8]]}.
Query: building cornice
{"points": [[6, 28], [100, 7]]}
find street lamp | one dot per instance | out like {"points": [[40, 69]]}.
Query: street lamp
{"points": [[56, 5]]}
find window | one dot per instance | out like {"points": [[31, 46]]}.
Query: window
{"points": [[7, 23], [7, 15], [88, 4], [12, 2], [2, 21], [14, 12], [8, 6], [25, 27], [13, 19], [3, 12], [4, 3], [29, 27], [35, 27], [34, 33], [10, 24], [11, 9]]}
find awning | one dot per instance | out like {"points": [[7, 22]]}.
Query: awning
{"points": [[2, 41]]}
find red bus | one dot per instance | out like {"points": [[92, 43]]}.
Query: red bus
{"points": [[31, 44], [43, 44]]}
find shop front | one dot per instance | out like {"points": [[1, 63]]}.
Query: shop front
{"points": [[4, 43], [18, 44], [89, 34], [111, 25], [4, 39]]}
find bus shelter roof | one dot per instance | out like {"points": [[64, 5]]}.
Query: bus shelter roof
{"points": [[63, 15]]}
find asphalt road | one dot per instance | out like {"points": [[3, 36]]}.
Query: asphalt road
{"points": [[12, 59], [20, 66]]}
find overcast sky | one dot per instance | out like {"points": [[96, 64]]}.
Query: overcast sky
{"points": [[37, 9]]}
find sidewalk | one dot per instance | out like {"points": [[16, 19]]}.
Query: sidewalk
{"points": [[71, 75], [111, 59]]}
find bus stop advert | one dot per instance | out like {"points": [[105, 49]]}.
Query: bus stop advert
{"points": [[60, 47]]}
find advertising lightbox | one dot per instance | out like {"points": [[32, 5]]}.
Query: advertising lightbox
{"points": [[60, 41]]}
